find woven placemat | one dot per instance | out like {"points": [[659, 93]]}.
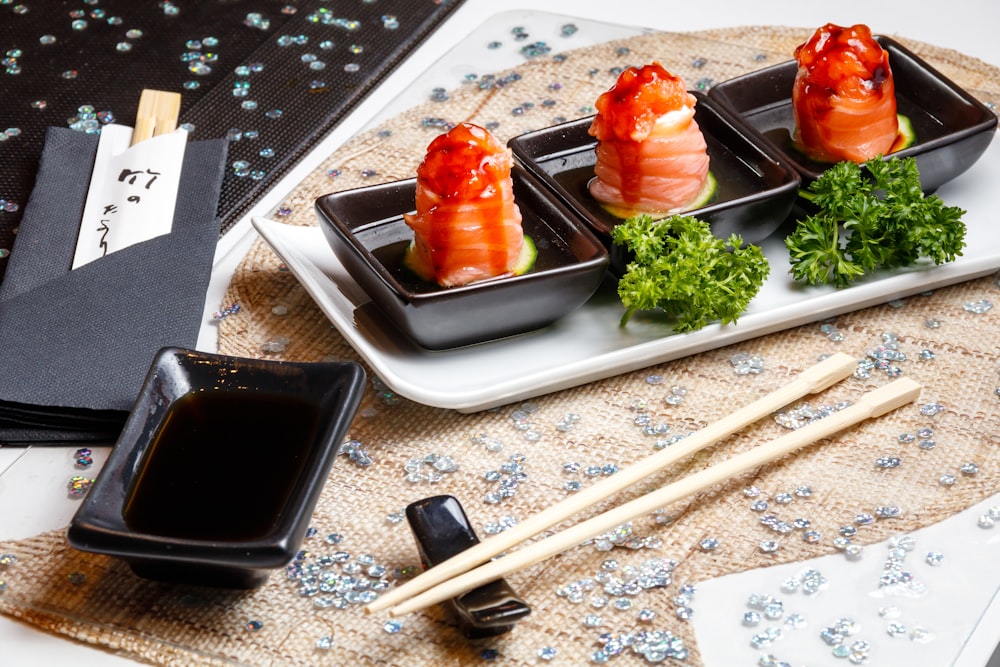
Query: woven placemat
{"points": [[395, 442]]}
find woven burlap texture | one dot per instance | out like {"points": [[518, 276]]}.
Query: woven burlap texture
{"points": [[174, 625]]}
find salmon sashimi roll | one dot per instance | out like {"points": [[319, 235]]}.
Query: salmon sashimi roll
{"points": [[651, 155], [844, 97], [466, 225]]}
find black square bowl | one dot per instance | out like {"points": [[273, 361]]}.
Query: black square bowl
{"points": [[219, 466], [756, 188], [365, 228], [952, 128]]}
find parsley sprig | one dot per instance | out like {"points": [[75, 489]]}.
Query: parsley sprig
{"points": [[683, 269], [870, 217]]}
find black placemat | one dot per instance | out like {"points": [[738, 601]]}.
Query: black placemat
{"points": [[272, 76]]}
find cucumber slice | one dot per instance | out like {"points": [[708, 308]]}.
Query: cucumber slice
{"points": [[412, 262], [704, 196], [525, 260], [906, 137]]}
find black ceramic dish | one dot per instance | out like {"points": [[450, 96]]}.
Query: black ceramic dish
{"points": [[222, 459], [442, 530], [756, 188], [952, 127], [366, 230]]}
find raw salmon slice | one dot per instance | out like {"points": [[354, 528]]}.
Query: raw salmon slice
{"points": [[651, 154], [466, 225], [844, 97]]}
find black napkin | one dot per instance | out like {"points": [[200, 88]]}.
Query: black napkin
{"points": [[75, 345]]}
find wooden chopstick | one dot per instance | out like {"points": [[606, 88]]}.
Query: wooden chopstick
{"points": [[812, 380], [878, 402], [157, 114]]}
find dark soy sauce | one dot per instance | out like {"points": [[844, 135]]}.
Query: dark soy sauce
{"points": [[223, 466]]}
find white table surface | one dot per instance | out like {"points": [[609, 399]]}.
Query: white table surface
{"points": [[32, 480]]}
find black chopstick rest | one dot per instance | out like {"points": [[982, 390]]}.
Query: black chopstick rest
{"points": [[442, 530]]}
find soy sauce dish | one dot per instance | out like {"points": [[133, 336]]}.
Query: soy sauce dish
{"points": [[952, 127], [366, 230], [756, 187], [219, 466]]}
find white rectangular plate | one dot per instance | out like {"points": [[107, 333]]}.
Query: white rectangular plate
{"points": [[588, 344]]}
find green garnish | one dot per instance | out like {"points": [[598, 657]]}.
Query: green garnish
{"points": [[867, 222], [683, 269]]}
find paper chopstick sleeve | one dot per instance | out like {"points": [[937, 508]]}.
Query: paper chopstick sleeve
{"points": [[84, 339]]}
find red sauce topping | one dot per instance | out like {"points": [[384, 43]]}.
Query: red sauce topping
{"points": [[628, 111], [627, 115], [467, 165], [846, 62], [463, 163]]}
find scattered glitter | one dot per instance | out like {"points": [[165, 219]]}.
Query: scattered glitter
{"points": [[931, 409], [888, 512], [535, 50], [78, 486], [6, 560], [546, 653], [229, 310], [969, 468], [83, 458], [765, 638], [356, 453], [832, 333], [980, 307], [935, 558], [708, 544], [769, 546], [745, 364], [802, 414], [325, 643], [947, 479], [254, 626], [276, 346]]}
